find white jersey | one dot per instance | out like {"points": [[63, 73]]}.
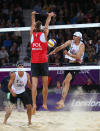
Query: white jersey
{"points": [[19, 83], [74, 49]]}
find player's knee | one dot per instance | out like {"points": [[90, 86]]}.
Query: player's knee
{"points": [[28, 107], [45, 90], [9, 113], [45, 87], [68, 78], [34, 86]]}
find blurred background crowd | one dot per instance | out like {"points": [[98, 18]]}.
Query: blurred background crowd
{"points": [[13, 13]]}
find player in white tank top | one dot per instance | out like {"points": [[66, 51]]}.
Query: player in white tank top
{"points": [[16, 86], [75, 56], [19, 83], [74, 49]]}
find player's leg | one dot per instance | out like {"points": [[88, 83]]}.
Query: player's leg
{"points": [[26, 101], [34, 92], [29, 113], [9, 108], [45, 91], [44, 73], [35, 72], [66, 85], [8, 112]]}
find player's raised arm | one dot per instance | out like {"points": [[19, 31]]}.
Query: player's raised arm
{"points": [[33, 22], [46, 30]]}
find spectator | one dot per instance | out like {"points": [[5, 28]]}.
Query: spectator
{"points": [[28, 50], [4, 57], [80, 16], [38, 7], [7, 42], [14, 56], [58, 85], [97, 45]]}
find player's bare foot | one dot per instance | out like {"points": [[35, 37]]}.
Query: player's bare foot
{"points": [[4, 122], [29, 123], [59, 102], [45, 107], [60, 106], [33, 110]]}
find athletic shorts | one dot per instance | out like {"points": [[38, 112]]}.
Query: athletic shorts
{"points": [[23, 96], [39, 69], [29, 92], [73, 72]]}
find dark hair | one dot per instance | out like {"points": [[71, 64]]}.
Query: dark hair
{"points": [[38, 26], [20, 63]]}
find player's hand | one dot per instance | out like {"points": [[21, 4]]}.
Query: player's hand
{"points": [[51, 14], [52, 53], [34, 12], [13, 94], [66, 52]]}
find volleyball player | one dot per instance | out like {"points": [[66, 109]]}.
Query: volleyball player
{"points": [[39, 59], [16, 86], [75, 57]]}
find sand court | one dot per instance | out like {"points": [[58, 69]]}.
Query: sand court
{"points": [[52, 121], [81, 113]]}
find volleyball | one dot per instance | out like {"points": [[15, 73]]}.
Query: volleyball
{"points": [[51, 42]]}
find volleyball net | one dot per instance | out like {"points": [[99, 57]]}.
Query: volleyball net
{"points": [[57, 62], [92, 30], [89, 72]]}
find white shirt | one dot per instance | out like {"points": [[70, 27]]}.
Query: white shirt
{"points": [[3, 54], [19, 83], [74, 49]]}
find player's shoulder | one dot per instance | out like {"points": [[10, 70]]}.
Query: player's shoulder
{"points": [[82, 45], [68, 42], [12, 76]]}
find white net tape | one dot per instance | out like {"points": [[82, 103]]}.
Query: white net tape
{"points": [[54, 68], [53, 27], [90, 25]]}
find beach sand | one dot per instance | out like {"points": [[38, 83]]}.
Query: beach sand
{"points": [[52, 121]]}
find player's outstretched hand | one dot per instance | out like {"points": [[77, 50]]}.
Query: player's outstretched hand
{"points": [[34, 12], [52, 53], [51, 14], [65, 52]]}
